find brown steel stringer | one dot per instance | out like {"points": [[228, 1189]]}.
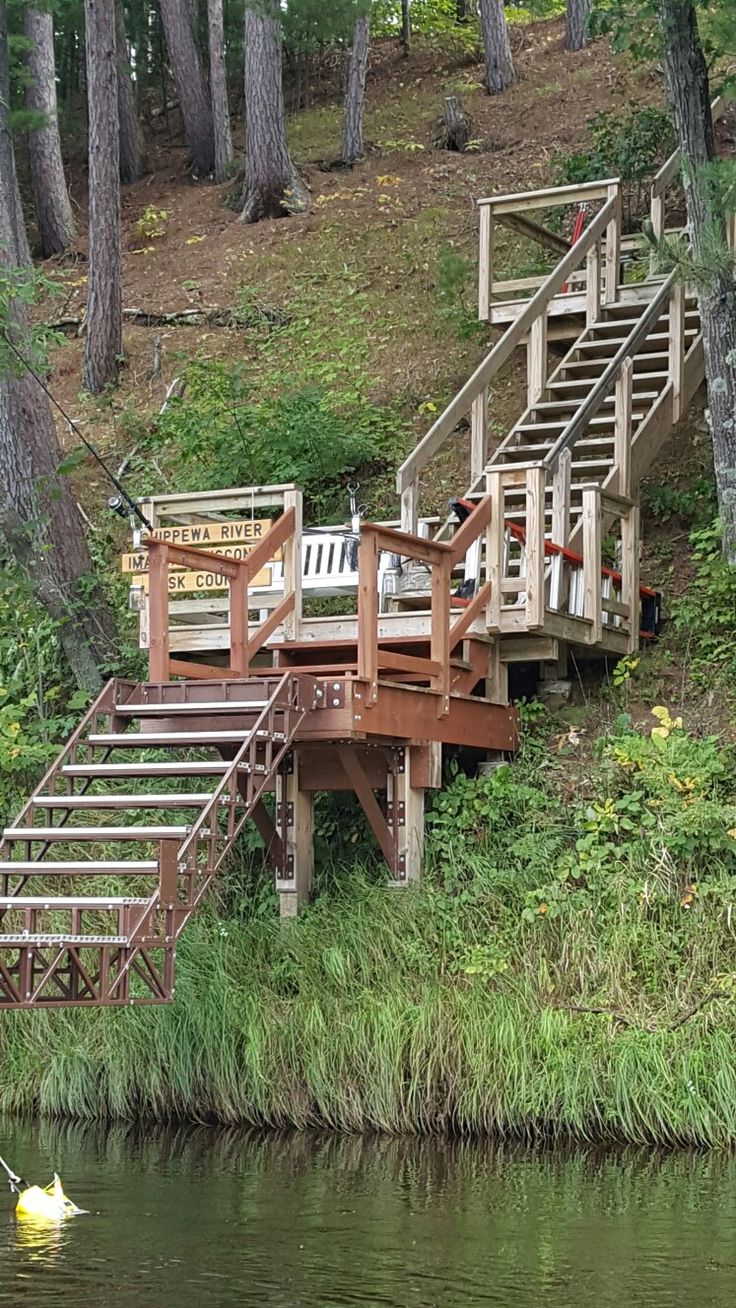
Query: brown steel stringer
{"points": [[384, 828]]}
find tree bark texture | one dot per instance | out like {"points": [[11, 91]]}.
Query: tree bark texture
{"points": [[576, 24], [38, 516], [191, 84], [405, 28], [132, 161], [218, 88], [352, 128], [496, 46], [54, 216], [272, 187], [104, 338], [689, 94], [8, 174]]}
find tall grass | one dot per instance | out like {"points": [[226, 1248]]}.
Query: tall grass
{"points": [[464, 1007]]}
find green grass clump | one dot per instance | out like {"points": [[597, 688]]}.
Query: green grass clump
{"points": [[566, 969]]}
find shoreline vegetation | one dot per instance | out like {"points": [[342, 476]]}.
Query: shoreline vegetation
{"points": [[565, 971]]}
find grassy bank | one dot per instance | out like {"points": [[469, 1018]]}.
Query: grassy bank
{"points": [[566, 967]]}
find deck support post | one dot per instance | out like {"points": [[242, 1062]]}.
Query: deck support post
{"points": [[405, 813], [536, 361], [295, 818]]}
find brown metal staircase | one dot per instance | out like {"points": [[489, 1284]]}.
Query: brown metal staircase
{"points": [[108, 860]]}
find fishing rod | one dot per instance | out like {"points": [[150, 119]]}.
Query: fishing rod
{"points": [[16, 1183]]}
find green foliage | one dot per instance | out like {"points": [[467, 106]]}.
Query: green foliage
{"points": [[152, 223], [630, 146], [694, 503], [220, 436], [706, 614], [22, 288], [453, 283]]}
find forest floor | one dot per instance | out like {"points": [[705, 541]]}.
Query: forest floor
{"points": [[360, 275]]}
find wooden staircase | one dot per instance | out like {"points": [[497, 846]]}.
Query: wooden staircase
{"points": [[108, 860]]}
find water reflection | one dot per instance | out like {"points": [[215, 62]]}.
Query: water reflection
{"points": [[41, 1241], [203, 1217]]}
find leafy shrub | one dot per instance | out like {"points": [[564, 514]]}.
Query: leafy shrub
{"points": [[220, 436], [707, 612], [631, 147], [452, 281]]}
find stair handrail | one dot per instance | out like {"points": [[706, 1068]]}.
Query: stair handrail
{"points": [[669, 171], [285, 533], [441, 558], [602, 389], [407, 477]]}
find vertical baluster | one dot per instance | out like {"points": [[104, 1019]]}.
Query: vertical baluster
{"points": [[613, 246], [593, 288], [410, 507], [592, 561], [158, 602], [368, 614], [677, 348], [440, 630], [478, 437], [536, 360], [239, 657], [495, 548], [293, 566], [630, 573], [535, 597], [623, 427], [485, 263], [560, 526]]}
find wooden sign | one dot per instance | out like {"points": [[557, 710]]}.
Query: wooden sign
{"points": [[140, 562], [184, 583], [215, 533]]}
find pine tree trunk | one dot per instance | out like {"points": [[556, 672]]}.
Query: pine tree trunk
{"points": [[104, 338], [689, 94], [218, 86], [132, 163], [50, 195], [38, 516], [576, 24], [272, 187], [191, 84], [405, 28], [352, 130], [497, 46], [8, 174]]}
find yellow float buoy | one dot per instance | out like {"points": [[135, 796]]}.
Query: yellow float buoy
{"points": [[47, 1205]]}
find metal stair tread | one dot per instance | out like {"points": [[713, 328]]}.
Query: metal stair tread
{"points": [[70, 834], [58, 938], [69, 901], [204, 706], [133, 769], [64, 868], [174, 799], [151, 739]]}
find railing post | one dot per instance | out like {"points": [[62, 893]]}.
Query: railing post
{"points": [[656, 216], [494, 548], [368, 614], [239, 655], [591, 519], [478, 436], [560, 525], [613, 245], [293, 566], [630, 573], [623, 426], [440, 631], [485, 263], [536, 360], [593, 285], [158, 608], [677, 348], [535, 525], [410, 507]]}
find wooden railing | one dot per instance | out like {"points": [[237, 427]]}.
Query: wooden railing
{"points": [[669, 173], [538, 584], [510, 211], [445, 635], [473, 398], [245, 641]]}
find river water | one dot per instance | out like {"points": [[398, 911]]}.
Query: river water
{"points": [[200, 1218]]}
